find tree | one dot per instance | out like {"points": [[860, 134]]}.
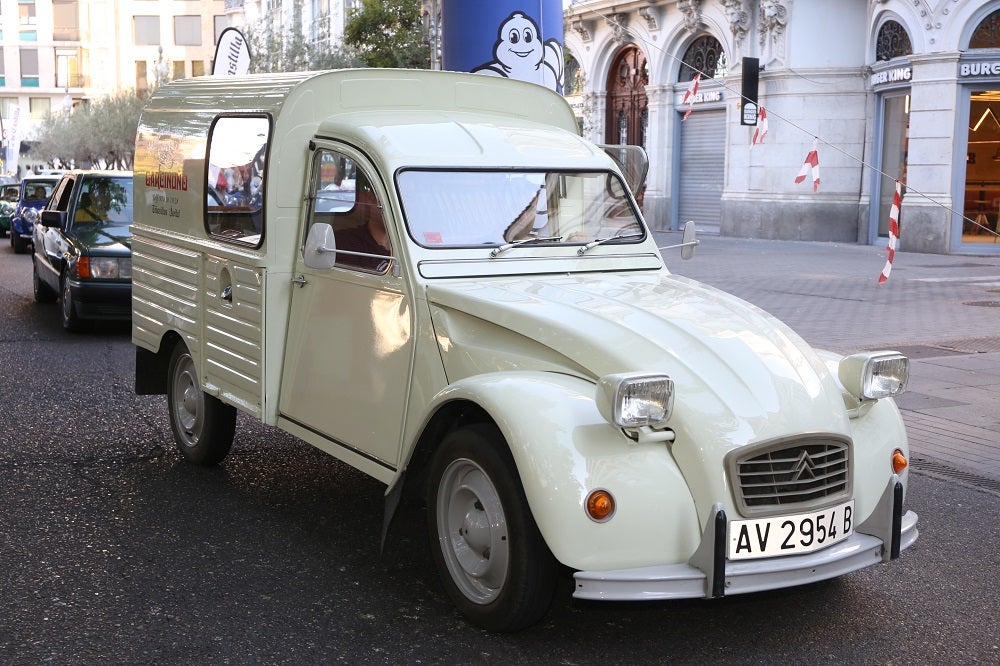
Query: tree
{"points": [[99, 135], [272, 51], [388, 33]]}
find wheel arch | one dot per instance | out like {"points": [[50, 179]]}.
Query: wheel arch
{"points": [[152, 367], [562, 448]]}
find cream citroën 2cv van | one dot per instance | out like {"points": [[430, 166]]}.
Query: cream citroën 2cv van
{"points": [[434, 278]]}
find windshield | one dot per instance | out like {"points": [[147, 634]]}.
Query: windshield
{"points": [[37, 190], [106, 201], [493, 208]]}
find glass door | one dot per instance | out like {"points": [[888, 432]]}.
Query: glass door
{"points": [[981, 201], [895, 142]]}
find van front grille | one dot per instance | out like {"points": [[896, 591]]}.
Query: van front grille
{"points": [[792, 476]]}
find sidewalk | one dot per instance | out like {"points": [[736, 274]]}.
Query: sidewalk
{"points": [[943, 311]]}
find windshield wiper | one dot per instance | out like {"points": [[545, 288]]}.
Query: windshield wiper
{"points": [[497, 251], [602, 241]]}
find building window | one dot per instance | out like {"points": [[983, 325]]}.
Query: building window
{"points": [[987, 34], [187, 30], [705, 55], [3, 71], [146, 30], [26, 11], [197, 68], [29, 68], [67, 68], [7, 106], [221, 23], [893, 41], [28, 36], [573, 77], [39, 107], [66, 21], [141, 76], [179, 72]]}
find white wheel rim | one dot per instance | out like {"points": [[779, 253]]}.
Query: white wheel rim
{"points": [[472, 531], [188, 401]]}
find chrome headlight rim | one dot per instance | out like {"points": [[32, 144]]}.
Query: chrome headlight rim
{"points": [[874, 375], [633, 400]]}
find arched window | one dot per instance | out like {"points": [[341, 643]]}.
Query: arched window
{"points": [[987, 33], [893, 41], [705, 55], [573, 77]]}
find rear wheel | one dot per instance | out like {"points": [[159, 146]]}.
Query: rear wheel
{"points": [[203, 425], [43, 292], [493, 561]]}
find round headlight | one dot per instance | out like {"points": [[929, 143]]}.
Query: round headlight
{"points": [[30, 214]]}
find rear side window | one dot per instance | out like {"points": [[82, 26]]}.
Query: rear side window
{"points": [[235, 178]]}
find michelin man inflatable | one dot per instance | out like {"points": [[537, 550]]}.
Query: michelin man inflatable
{"points": [[519, 53]]}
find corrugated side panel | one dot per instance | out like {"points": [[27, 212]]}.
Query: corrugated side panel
{"points": [[164, 291], [234, 333]]}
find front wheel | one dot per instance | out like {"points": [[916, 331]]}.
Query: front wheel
{"points": [[488, 550], [19, 244], [67, 312], [203, 425]]}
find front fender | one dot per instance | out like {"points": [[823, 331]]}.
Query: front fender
{"points": [[563, 449]]}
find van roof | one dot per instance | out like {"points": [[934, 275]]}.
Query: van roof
{"points": [[326, 93]]}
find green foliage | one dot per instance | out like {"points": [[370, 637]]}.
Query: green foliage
{"points": [[99, 135], [271, 51], [388, 33]]}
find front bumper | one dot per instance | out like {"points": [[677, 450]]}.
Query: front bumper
{"points": [[709, 574], [110, 301]]}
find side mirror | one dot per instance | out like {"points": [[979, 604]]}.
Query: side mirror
{"points": [[54, 218], [320, 250], [688, 241]]}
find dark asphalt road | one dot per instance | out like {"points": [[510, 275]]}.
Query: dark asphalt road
{"points": [[114, 551]]}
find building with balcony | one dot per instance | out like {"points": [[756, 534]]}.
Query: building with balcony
{"points": [[60, 53]]}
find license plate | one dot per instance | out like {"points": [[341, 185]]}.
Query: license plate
{"points": [[790, 535]]}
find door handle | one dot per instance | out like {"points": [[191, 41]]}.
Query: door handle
{"points": [[300, 280]]}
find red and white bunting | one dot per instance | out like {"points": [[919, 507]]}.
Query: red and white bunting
{"points": [[689, 95], [761, 130], [893, 233], [811, 164]]}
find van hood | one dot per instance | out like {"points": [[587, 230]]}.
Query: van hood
{"points": [[740, 375]]}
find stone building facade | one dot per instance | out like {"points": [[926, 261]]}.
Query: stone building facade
{"points": [[887, 90]]}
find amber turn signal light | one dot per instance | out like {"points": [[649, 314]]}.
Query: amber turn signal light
{"points": [[899, 461], [600, 505]]}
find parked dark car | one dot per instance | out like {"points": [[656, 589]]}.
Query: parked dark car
{"points": [[35, 191], [9, 194], [82, 242]]}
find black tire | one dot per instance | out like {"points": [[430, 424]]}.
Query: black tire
{"points": [[67, 308], [19, 244], [489, 553], [43, 292], [203, 425]]}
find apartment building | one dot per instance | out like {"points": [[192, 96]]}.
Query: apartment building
{"points": [[60, 53]]}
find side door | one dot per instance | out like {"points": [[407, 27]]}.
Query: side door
{"points": [[49, 238], [347, 362]]}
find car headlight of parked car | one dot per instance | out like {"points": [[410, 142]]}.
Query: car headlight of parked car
{"points": [[634, 400], [104, 267], [874, 375]]}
